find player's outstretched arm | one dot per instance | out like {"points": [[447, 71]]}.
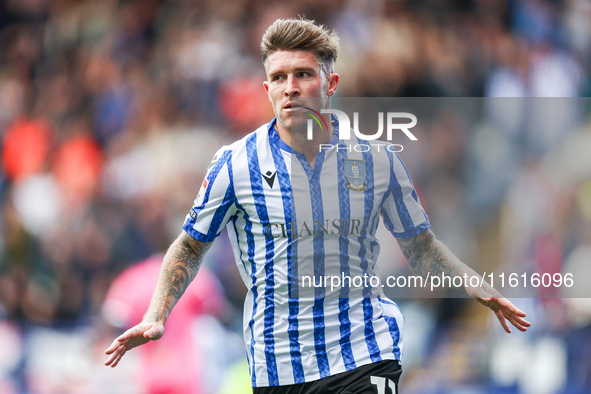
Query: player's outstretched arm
{"points": [[427, 256], [179, 268]]}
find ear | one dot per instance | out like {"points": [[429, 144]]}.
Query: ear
{"points": [[333, 83], [266, 85]]}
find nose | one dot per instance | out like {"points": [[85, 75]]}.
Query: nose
{"points": [[292, 87]]}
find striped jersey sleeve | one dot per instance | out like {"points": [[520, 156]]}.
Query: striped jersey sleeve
{"points": [[216, 202], [401, 210]]}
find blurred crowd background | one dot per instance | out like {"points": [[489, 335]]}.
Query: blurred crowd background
{"points": [[110, 111]]}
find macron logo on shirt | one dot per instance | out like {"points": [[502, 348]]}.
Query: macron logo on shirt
{"points": [[270, 178]]}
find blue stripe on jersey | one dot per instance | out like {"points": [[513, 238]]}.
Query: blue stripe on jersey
{"points": [[292, 270], [234, 220], [396, 189], [387, 194], [288, 212], [414, 192], [220, 213], [344, 213], [345, 329], [394, 333], [253, 287], [211, 177], [319, 337], [261, 208], [318, 242], [393, 329], [370, 336], [250, 252], [274, 137], [367, 210], [253, 270], [372, 228]]}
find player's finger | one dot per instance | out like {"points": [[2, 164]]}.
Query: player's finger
{"points": [[118, 358], [113, 347], [132, 332], [516, 317], [503, 321], [519, 318], [109, 360], [518, 312], [119, 350], [519, 323], [112, 356], [127, 335], [519, 327], [505, 303], [115, 362]]}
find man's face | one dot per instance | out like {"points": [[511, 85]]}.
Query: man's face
{"points": [[293, 74]]}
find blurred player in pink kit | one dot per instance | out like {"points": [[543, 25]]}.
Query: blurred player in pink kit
{"points": [[172, 365]]}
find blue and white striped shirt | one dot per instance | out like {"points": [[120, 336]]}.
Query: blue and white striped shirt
{"points": [[285, 221]]}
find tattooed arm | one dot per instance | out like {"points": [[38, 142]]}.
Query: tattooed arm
{"points": [[427, 256], [180, 265]]}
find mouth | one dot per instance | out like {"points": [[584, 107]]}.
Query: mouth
{"points": [[291, 107]]}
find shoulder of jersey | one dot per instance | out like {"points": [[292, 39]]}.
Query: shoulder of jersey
{"points": [[241, 143], [235, 146], [385, 144]]}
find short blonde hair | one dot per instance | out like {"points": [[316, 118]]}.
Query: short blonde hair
{"points": [[301, 34]]}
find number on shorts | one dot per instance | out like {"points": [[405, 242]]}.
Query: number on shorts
{"points": [[380, 383]]}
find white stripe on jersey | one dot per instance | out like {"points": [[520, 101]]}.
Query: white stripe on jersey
{"points": [[286, 220]]}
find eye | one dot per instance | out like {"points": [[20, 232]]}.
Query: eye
{"points": [[304, 74], [277, 78]]}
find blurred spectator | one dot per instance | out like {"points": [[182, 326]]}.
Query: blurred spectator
{"points": [[77, 166], [174, 364], [25, 148]]}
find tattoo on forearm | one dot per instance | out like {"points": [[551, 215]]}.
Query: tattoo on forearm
{"points": [[427, 255], [180, 267]]}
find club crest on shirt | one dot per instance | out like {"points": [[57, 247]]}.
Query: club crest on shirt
{"points": [[355, 173]]}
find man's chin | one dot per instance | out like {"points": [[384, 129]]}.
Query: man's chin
{"points": [[296, 123]]}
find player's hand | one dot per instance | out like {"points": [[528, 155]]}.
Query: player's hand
{"points": [[503, 309], [135, 336]]}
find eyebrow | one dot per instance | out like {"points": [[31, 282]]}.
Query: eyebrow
{"points": [[298, 69]]}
